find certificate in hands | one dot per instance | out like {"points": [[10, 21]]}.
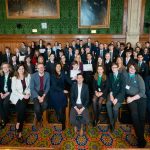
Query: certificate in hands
{"points": [[87, 67], [73, 73], [21, 58], [42, 50]]}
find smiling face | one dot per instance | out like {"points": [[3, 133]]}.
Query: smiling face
{"points": [[132, 69], [80, 79], [58, 68], [114, 68], [100, 70], [40, 68], [5, 68], [21, 70]]}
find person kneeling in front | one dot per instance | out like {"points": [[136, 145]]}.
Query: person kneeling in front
{"points": [[79, 115]]}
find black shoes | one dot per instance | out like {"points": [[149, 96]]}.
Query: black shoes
{"points": [[142, 143], [63, 126], [2, 125], [17, 133], [95, 123], [112, 127]]}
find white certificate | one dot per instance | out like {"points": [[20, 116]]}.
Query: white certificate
{"points": [[73, 73], [42, 50], [21, 58], [87, 67]]}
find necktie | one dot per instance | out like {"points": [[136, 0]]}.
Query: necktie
{"points": [[99, 80], [127, 60], [5, 84], [115, 77], [139, 64], [8, 58], [101, 53], [111, 56]]}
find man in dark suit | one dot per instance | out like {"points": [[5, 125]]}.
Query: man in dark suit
{"points": [[122, 52], [107, 64], [143, 69], [116, 95], [50, 65], [69, 55], [79, 114], [89, 44], [48, 51], [40, 85], [128, 59], [88, 75], [113, 53], [7, 56], [101, 52]]}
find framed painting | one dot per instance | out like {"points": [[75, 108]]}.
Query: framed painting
{"points": [[93, 13], [26, 9]]}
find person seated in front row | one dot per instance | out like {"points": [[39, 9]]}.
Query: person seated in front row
{"points": [[58, 98], [20, 97], [116, 95], [79, 115], [5, 90], [40, 85], [136, 99], [100, 87]]}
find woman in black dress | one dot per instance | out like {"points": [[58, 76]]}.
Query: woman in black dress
{"points": [[58, 93]]}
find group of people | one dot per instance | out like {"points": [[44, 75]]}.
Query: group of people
{"points": [[89, 73]]}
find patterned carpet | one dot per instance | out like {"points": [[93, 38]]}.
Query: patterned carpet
{"points": [[93, 139]]}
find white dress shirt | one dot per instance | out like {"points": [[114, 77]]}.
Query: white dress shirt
{"points": [[79, 95]]}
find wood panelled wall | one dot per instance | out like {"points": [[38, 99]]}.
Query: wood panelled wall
{"points": [[14, 41]]}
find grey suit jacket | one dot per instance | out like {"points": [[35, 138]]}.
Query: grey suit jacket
{"points": [[35, 84]]}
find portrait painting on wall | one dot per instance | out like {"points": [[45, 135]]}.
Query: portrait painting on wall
{"points": [[93, 13], [21, 9]]}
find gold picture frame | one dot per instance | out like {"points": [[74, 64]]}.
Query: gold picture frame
{"points": [[94, 13], [30, 9]]}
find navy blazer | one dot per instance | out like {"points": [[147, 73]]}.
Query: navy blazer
{"points": [[2, 78], [131, 61], [143, 70], [58, 84], [84, 95], [4, 58], [35, 84], [117, 87]]}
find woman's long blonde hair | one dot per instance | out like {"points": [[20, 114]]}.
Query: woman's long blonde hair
{"points": [[103, 76]]}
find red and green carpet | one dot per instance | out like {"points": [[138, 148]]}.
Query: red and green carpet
{"points": [[97, 138]]}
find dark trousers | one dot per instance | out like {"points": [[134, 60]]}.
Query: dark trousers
{"points": [[21, 109], [4, 108], [39, 108], [138, 110], [148, 109], [97, 105], [61, 115], [112, 111], [74, 117]]}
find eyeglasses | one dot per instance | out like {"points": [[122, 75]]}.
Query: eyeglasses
{"points": [[114, 67], [132, 68]]}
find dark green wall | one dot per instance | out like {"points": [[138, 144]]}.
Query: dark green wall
{"points": [[147, 15], [67, 24]]}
